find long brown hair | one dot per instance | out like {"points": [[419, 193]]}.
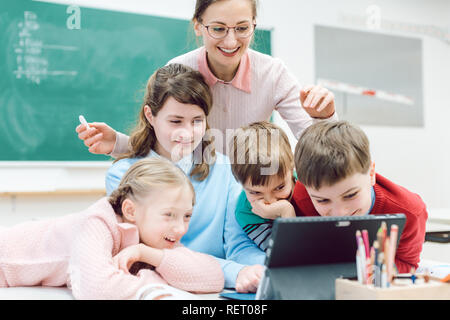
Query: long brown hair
{"points": [[187, 86]]}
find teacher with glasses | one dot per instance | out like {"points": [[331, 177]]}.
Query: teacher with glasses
{"points": [[247, 86]]}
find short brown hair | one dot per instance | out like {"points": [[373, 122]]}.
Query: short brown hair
{"points": [[328, 152], [255, 148]]}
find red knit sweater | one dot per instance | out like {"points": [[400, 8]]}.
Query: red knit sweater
{"points": [[389, 198]]}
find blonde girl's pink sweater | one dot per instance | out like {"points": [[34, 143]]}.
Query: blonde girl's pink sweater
{"points": [[76, 250]]}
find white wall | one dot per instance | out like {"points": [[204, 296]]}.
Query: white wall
{"points": [[417, 158]]}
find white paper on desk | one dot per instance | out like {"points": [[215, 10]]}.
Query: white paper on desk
{"points": [[163, 292]]}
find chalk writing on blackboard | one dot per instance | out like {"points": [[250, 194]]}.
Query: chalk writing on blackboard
{"points": [[32, 64]]}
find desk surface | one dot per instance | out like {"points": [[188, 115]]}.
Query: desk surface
{"points": [[432, 253], [60, 293]]}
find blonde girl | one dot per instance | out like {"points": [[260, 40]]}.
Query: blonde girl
{"points": [[95, 252]]}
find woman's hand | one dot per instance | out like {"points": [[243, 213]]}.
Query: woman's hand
{"points": [[99, 138], [317, 101]]}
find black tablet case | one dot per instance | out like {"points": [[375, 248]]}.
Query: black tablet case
{"points": [[307, 254]]}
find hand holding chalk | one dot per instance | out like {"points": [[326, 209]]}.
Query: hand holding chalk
{"points": [[83, 121], [98, 137]]}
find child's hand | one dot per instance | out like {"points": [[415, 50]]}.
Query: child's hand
{"points": [[278, 209], [317, 101], [248, 278], [125, 258], [100, 138]]}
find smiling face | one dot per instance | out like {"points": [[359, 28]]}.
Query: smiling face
{"points": [[162, 217], [224, 55], [179, 128], [349, 197]]}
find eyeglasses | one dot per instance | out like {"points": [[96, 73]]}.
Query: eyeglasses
{"points": [[220, 31]]}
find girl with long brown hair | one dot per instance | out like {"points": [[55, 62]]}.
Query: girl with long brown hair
{"points": [[173, 124]]}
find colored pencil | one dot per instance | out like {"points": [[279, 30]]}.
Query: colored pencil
{"points": [[362, 253], [365, 236], [392, 249], [358, 267]]}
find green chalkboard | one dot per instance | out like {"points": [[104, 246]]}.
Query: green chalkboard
{"points": [[57, 63]]}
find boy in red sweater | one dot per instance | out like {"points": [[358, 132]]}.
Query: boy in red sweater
{"points": [[336, 177]]}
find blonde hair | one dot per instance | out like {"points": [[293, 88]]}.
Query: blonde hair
{"points": [[259, 146], [328, 152], [187, 86], [145, 176]]}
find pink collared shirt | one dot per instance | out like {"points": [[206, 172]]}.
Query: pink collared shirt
{"points": [[242, 79], [76, 250], [261, 85]]}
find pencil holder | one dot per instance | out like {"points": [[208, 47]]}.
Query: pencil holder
{"points": [[400, 290]]}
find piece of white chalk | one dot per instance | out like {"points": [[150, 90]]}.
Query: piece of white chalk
{"points": [[83, 121]]}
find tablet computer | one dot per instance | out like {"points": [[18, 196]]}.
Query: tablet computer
{"points": [[306, 254]]}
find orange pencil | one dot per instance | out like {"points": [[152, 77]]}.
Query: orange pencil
{"points": [[446, 278], [380, 238], [384, 234]]}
